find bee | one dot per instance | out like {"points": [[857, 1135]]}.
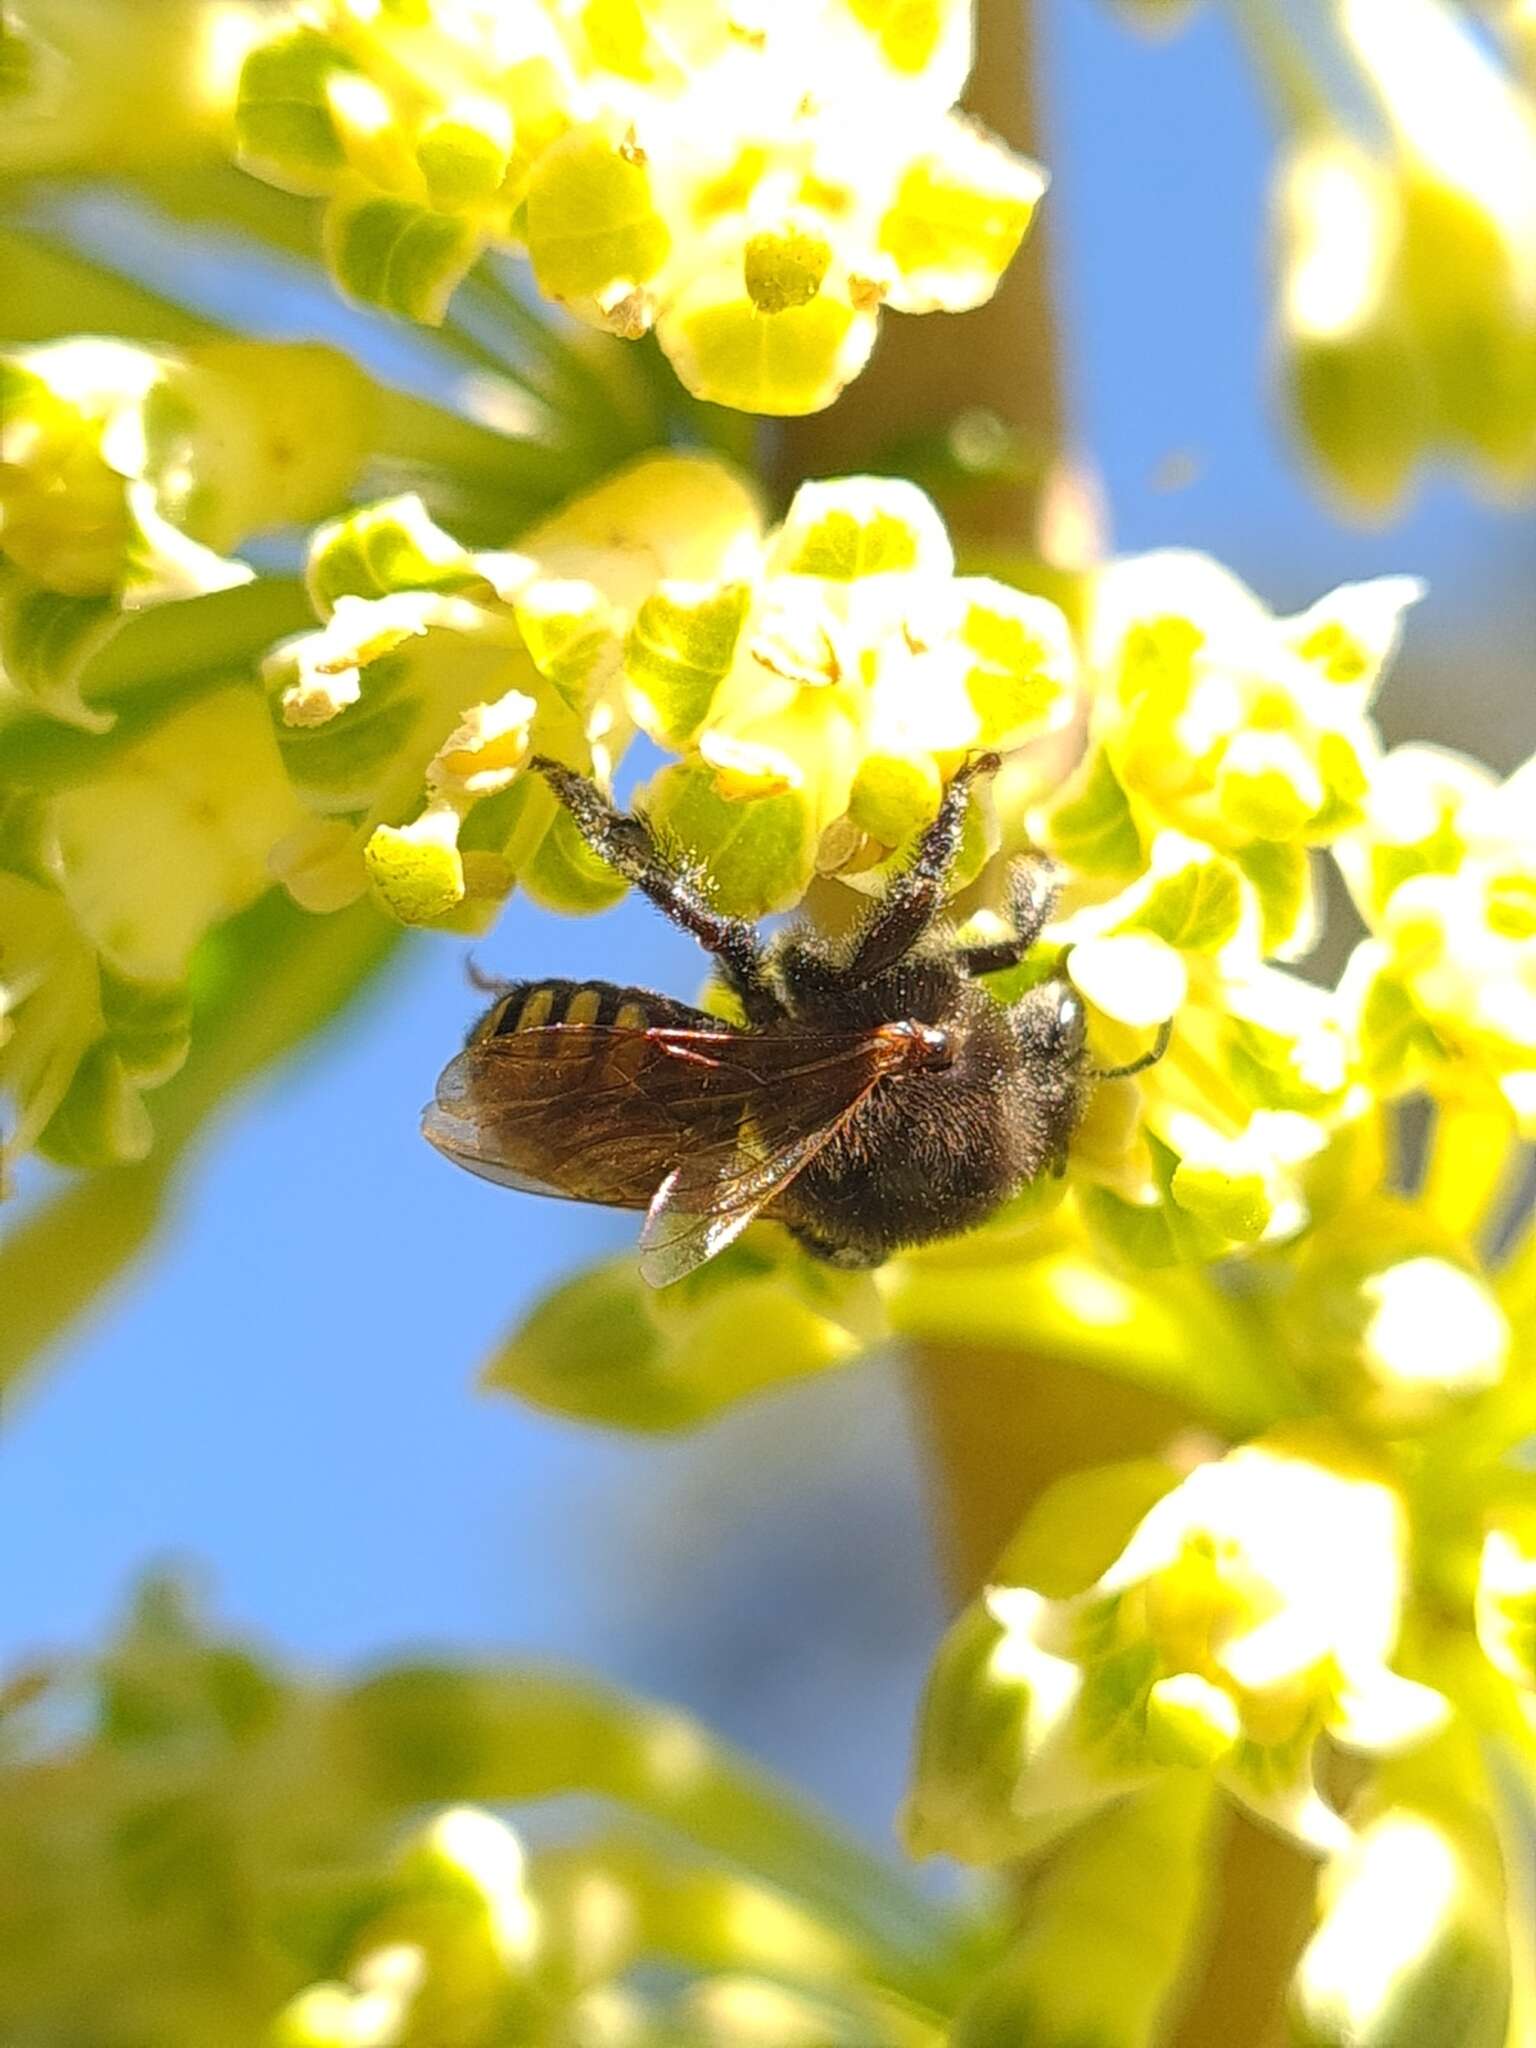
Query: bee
{"points": [[876, 1097]]}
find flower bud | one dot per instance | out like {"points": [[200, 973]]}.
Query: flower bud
{"points": [[1356, 375]]}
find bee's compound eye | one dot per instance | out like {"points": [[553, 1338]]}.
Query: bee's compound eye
{"points": [[1069, 1025]]}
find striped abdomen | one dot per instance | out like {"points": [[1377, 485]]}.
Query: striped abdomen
{"points": [[530, 1005]]}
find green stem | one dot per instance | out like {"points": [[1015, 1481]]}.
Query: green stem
{"points": [[51, 289], [531, 465], [565, 368]]}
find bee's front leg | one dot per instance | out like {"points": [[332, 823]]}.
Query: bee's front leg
{"points": [[627, 843]]}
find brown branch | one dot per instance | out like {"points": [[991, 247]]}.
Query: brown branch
{"points": [[1000, 1427]]}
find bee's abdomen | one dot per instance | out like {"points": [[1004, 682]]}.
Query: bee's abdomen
{"points": [[531, 1005]]}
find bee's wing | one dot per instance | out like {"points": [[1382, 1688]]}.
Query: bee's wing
{"points": [[797, 1093], [593, 1112], [703, 1128]]}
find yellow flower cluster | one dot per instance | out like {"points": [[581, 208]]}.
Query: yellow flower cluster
{"points": [[753, 181], [820, 684], [1215, 1640], [1224, 745], [1156, 1630], [1443, 870], [406, 719]]}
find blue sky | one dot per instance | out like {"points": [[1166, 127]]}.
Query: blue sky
{"points": [[283, 1396]]}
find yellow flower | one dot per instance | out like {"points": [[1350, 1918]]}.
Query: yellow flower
{"points": [[836, 686], [405, 720], [127, 476], [1444, 872]]}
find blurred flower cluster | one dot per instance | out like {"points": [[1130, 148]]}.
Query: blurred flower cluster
{"points": [[196, 1849], [752, 181], [1406, 216]]}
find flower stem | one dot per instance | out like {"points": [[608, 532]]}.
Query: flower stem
{"points": [[1001, 359]]}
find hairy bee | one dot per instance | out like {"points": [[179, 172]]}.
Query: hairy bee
{"points": [[877, 1097]]}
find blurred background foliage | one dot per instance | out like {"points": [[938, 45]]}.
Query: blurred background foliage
{"points": [[1290, 253]]}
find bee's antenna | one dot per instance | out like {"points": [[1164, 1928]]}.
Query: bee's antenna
{"points": [[488, 984], [1148, 1059]]}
